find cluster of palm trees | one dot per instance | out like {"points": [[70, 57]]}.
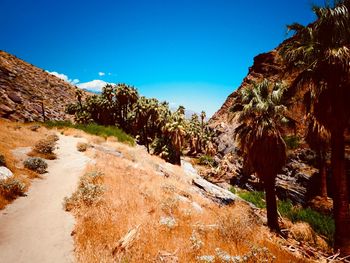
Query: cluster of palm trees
{"points": [[321, 52], [163, 132]]}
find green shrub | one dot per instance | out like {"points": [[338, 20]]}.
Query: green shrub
{"points": [[206, 160], [11, 188], [321, 224], [36, 164], [257, 198], [95, 129], [292, 141]]}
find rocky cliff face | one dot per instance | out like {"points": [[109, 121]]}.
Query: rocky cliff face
{"points": [[25, 91], [299, 177]]}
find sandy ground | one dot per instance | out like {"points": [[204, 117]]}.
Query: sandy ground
{"points": [[35, 228]]}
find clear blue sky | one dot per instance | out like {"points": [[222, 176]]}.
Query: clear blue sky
{"points": [[189, 52]]}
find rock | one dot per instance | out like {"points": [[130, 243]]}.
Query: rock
{"points": [[5, 173], [15, 97], [5, 111], [108, 150], [197, 207], [215, 192]]}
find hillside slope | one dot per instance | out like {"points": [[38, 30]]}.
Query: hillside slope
{"points": [[25, 90]]}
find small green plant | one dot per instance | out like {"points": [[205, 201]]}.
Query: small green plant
{"points": [[36, 164], [206, 160], [255, 197], [292, 141], [95, 129], [233, 190], [11, 188]]}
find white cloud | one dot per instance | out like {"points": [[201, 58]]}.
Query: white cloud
{"points": [[101, 74], [75, 81], [64, 77], [94, 85]]}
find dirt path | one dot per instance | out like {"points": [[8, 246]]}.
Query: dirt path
{"points": [[35, 228]]}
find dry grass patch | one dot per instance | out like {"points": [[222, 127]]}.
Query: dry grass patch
{"points": [[170, 227], [14, 135]]}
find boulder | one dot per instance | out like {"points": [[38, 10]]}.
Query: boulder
{"points": [[5, 173], [15, 97]]}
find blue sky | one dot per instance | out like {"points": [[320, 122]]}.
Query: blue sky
{"points": [[189, 52]]}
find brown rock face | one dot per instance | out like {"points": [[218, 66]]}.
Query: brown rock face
{"points": [[24, 87], [270, 66]]}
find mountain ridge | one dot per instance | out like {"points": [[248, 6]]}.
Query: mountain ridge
{"points": [[28, 93]]}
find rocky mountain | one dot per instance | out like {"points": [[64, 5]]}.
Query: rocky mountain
{"points": [[298, 180], [27, 93]]}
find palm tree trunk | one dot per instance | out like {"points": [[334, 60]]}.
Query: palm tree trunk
{"points": [[323, 175], [341, 197], [271, 204]]}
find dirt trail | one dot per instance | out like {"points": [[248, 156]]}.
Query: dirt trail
{"points": [[35, 228]]}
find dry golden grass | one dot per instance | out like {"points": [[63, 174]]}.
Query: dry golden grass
{"points": [[15, 135], [135, 195]]}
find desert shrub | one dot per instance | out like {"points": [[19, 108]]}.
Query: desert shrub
{"points": [[11, 188], [36, 164], [53, 137], [45, 147], [82, 147], [206, 160], [2, 160], [89, 191], [292, 141]]}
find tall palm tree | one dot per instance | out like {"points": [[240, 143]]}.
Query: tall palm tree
{"points": [[317, 137], [261, 116], [203, 116], [175, 129], [322, 51]]}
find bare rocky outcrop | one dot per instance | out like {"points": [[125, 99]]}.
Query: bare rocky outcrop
{"points": [[27, 92]]}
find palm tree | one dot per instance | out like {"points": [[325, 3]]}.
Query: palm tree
{"points": [[322, 51], [126, 96], [203, 116], [175, 130], [261, 116], [317, 137]]}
